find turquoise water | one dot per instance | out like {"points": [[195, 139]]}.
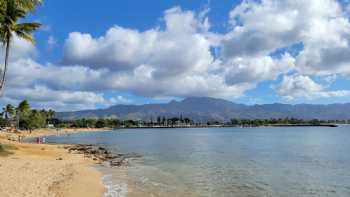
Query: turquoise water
{"points": [[242, 162]]}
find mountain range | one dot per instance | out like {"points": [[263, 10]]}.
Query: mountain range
{"points": [[205, 109]]}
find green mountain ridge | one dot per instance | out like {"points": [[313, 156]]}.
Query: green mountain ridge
{"points": [[206, 108]]}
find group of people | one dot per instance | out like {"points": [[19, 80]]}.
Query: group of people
{"points": [[40, 140]]}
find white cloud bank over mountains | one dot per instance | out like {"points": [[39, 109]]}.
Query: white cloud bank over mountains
{"points": [[178, 60], [296, 86]]}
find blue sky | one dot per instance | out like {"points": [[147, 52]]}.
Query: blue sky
{"points": [[62, 17], [95, 54]]}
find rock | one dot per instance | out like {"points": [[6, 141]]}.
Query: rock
{"points": [[116, 162], [101, 154], [101, 148]]}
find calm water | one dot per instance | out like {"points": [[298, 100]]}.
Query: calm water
{"points": [[239, 162]]}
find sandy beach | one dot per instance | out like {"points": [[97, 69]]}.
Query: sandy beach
{"points": [[46, 170], [48, 132]]}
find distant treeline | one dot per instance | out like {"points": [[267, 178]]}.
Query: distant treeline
{"points": [[187, 122], [283, 121], [116, 123], [24, 118]]}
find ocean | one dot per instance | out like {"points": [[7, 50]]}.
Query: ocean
{"points": [[238, 162]]}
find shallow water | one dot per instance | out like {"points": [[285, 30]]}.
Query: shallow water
{"points": [[242, 162]]}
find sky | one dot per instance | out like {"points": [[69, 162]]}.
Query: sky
{"points": [[91, 54]]}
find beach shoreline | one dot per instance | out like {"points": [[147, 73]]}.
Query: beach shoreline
{"points": [[45, 169]]}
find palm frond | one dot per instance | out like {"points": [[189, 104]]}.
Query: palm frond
{"points": [[18, 13], [27, 27], [14, 11], [26, 36], [24, 30], [28, 5]]}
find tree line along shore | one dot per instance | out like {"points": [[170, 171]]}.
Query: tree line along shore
{"points": [[23, 117]]}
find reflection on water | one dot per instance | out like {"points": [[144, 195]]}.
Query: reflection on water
{"points": [[313, 161]]}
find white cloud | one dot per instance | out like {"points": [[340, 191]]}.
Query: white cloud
{"points": [[175, 61], [62, 88], [326, 43], [19, 49], [51, 42], [176, 50], [261, 28], [257, 69], [178, 60], [44, 94], [299, 86], [322, 26]]}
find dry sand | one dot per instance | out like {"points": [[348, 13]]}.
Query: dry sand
{"points": [[33, 170]]}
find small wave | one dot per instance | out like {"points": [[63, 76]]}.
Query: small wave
{"points": [[113, 189]]}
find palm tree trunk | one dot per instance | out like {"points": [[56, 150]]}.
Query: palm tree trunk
{"points": [[2, 82]]}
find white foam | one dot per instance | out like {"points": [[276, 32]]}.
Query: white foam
{"points": [[114, 189]]}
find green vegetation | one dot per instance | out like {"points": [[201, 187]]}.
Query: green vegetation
{"points": [[11, 12], [23, 117], [186, 122], [116, 123], [280, 121]]}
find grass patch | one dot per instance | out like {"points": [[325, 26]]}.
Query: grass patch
{"points": [[5, 150]]}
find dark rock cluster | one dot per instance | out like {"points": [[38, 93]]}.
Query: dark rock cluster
{"points": [[102, 155]]}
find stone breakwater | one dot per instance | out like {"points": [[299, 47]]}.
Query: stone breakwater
{"points": [[102, 155]]}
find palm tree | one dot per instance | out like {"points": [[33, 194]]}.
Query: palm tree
{"points": [[23, 107], [22, 110], [10, 13], [51, 114], [9, 111]]}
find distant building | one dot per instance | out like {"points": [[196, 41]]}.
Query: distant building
{"points": [[50, 126]]}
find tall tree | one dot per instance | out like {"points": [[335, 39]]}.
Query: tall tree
{"points": [[51, 114], [11, 11], [36, 119], [23, 110], [23, 107]]}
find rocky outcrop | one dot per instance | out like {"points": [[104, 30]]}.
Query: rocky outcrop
{"points": [[102, 155]]}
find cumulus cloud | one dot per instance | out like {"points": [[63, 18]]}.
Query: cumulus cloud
{"points": [[62, 88], [173, 51], [19, 49], [322, 26], [299, 86], [326, 42], [44, 94], [257, 69], [261, 28], [174, 61], [264, 27], [177, 60]]}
